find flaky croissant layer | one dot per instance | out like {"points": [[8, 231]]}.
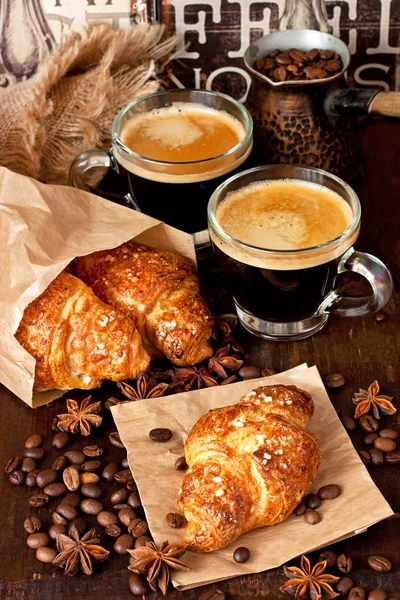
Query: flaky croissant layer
{"points": [[250, 465]]}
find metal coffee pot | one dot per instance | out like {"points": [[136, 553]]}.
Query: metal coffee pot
{"points": [[310, 122]]}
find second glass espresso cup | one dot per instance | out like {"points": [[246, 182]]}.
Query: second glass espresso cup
{"points": [[289, 294]]}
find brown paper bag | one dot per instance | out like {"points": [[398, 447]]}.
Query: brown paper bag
{"points": [[158, 482], [42, 228]]}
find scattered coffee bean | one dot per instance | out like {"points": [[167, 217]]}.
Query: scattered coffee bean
{"points": [[267, 372], [36, 453], [175, 520], [119, 496], [382, 443], [131, 486], [393, 458], [80, 524], [134, 500], [329, 492], [377, 457], [28, 465], [344, 563], [369, 424], [113, 530], [91, 465], [37, 540], [54, 424], [312, 517], [13, 464], [67, 511], [231, 379], [126, 515], [123, 476], [91, 490], [125, 463], [138, 527], [46, 477], [357, 593], [109, 471], [137, 585], [71, 478], [312, 501], [39, 500], [349, 423], [115, 439], [55, 489], [105, 518], [32, 524], [380, 316], [121, 506], [75, 457], [91, 506], [250, 372], [141, 541], [241, 555], [329, 556], [30, 479], [124, 543], [365, 456], [377, 594], [344, 585], [56, 529], [380, 564], [300, 509], [93, 451], [61, 440], [392, 434], [181, 464], [336, 380], [60, 463], [58, 519], [34, 441], [88, 478], [160, 434], [370, 438], [17, 477], [46, 555], [73, 499]]}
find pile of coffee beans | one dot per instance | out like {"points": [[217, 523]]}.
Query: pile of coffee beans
{"points": [[311, 502], [294, 64], [381, 444], [79, 487]]}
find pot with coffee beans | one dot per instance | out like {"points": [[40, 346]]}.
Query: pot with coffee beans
{"points": [[301, 107]]}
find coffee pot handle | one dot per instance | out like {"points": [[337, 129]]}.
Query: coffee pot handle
{"points": [[385, 103], [379, 278], [81, 177], [364, 101]]}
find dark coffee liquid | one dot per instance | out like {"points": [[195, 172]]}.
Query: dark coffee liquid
{"points": [[274, 295]]}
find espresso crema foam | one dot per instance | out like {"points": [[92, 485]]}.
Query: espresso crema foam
{"points": [[284, 215], [180, 135]]}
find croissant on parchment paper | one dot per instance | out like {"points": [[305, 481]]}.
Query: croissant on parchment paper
{"points": [[77, 340], [250, 465], [159, 290]]}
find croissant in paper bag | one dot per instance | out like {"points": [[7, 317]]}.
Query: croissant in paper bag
{"points": [[250, 465], [159, 291], [77, 340]]}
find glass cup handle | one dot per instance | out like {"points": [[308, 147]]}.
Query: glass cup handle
{"points": [[379, 278], [95, 158]]}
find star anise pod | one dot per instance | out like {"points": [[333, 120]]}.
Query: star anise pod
{"points": [[222, 360], [142, 389], [81, 416], [76, 553], [365, 399], [157, 562], [224, 325], [309, 582], [194, 378]]}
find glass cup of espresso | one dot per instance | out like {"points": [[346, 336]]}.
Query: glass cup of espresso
{"points": [[281, 235], [173, 149]]}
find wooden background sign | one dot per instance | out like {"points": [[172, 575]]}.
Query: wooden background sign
{"points": [[217, 31]]}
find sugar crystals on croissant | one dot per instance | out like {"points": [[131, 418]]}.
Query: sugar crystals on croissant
{"points": [[159, 290], [250, 464]]}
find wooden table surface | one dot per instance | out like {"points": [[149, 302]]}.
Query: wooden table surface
{"points": [[361, 349]]}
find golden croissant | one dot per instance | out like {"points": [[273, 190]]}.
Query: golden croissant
{"points": [[250, 464], [159, 290], [77, 340]]}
